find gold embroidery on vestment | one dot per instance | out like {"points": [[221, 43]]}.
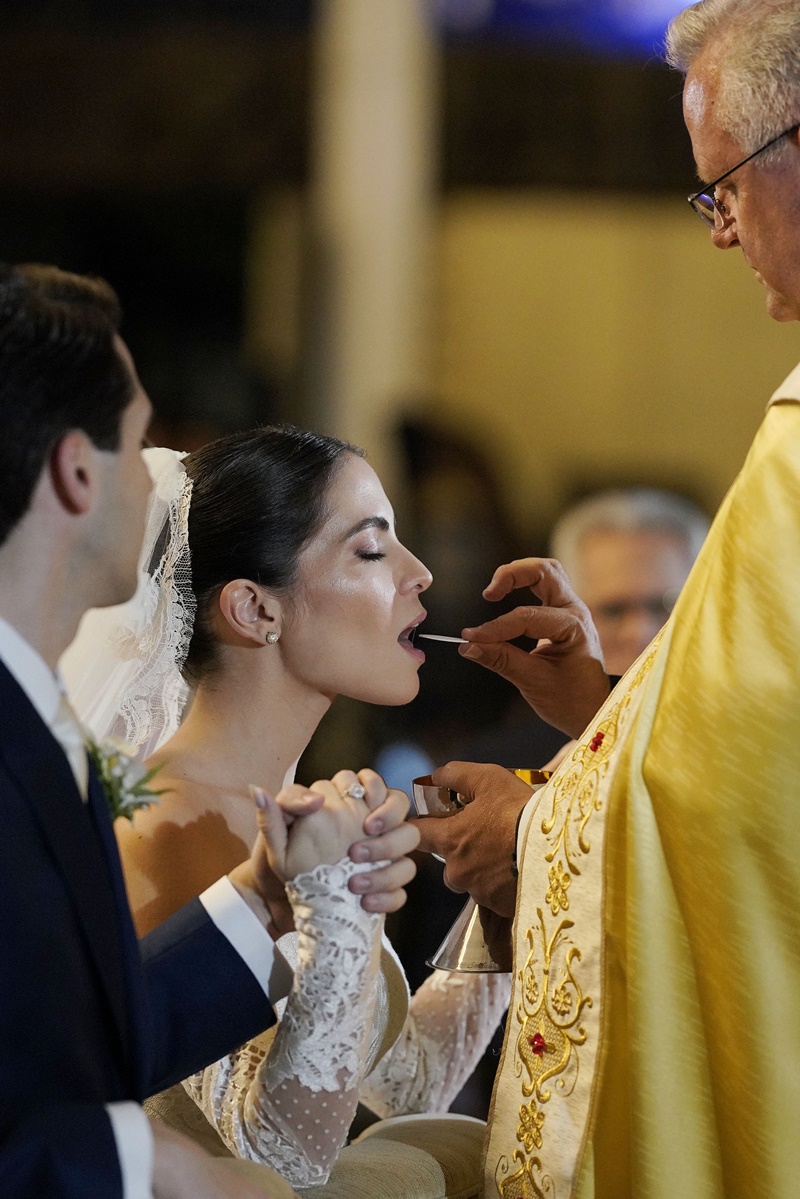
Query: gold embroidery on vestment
{"points": [[549, 1014], [522, 1184], [557, 891], [530, 1126]]}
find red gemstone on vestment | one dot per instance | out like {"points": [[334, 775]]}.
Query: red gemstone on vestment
{"points": [[538, 1045]]}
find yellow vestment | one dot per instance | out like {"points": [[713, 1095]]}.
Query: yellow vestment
{"points": [[653, 1042]]}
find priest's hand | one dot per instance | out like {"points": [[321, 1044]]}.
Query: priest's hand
{"points": [[497, 933], [563, 678], [478, 843]]}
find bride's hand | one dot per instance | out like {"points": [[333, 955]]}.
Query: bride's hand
{"points": [[295, 846]]}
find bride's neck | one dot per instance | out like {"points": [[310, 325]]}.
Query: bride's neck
{"points": [[247, 726]]}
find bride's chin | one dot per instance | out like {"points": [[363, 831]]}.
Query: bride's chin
{"points": [[397, 696]]}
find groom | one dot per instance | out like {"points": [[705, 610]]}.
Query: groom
{"points": [[91, 1021]]}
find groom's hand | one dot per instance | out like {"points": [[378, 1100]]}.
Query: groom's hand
{"points": [[478, 843], [256, 881], [389, 838], [563, 678], [181, 1170]]}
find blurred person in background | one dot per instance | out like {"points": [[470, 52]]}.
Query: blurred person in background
{"points": [[628, 552]]}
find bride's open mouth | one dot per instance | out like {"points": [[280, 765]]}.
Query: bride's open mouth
{"points": [[408, 637]]}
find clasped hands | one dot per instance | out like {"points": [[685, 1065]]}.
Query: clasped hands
{"points": [[302, 827]]}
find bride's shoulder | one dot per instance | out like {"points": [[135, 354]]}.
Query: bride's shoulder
{"points": [[177, 801], [176, 848]]}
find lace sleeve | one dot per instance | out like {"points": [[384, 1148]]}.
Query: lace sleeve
{"points": [[450, 1023], [289, 1100]]}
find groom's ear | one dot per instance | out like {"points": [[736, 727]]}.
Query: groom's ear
{"points": [[249, 612], [71, 470]]}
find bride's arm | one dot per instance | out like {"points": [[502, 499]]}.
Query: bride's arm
{"points": [[290, 1103], [450, 1023]]}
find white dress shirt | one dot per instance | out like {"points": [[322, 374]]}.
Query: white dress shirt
{"points": [[225, 907]]}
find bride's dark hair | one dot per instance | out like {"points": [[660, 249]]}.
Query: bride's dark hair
{"points": [[257, 499]]}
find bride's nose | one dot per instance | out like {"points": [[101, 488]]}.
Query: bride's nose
{"points": [[416, 577]]}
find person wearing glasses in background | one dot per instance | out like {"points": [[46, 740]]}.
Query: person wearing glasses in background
{"points": [[628, 552], [652, 1044]]}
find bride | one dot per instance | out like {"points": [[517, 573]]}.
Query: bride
{"points": [[277, 583]]}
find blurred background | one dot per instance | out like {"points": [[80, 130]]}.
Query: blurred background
{"points": [[452, 231]]}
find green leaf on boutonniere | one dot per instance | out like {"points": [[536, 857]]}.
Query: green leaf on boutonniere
{"points": [[125, 781]]}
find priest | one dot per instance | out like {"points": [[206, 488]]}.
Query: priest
{"points": [[653, 1042]]}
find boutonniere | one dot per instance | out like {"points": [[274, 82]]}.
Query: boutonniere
{"points": [[125, 781]]}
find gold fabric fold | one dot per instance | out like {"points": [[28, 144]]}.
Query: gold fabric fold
{"points": [[689, 934]]}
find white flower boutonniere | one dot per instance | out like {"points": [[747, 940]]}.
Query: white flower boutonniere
{"points": [[125, 781]]}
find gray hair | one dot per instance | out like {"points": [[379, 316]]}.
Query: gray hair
{"points": [[629, 509], [758, 42]]}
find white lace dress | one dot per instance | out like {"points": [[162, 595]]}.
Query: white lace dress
{"points": [[288, 1097]]}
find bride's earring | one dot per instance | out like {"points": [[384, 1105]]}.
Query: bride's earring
{"points": [[272, 636]]}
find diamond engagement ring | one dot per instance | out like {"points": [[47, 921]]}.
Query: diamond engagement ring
{"points": [[355, 791]]}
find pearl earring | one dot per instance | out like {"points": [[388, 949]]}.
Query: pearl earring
{"points": [[272, 636]]}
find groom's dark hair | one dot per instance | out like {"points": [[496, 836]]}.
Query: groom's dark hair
{"points": [[59, 370]]}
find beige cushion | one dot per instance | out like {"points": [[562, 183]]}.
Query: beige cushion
{"points": [[262, 1178], [407, 1157], [410, 1157]]}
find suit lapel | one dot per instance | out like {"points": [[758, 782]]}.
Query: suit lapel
{"points": [[137, 1009], [39, 765]]}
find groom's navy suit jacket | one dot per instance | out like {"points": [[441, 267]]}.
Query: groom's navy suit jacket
{"points": [[89, 1015]]}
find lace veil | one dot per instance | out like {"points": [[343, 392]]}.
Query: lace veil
{"points": [[122, 671]]}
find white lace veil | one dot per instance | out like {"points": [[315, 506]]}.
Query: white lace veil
{"points": [[122, 671]]}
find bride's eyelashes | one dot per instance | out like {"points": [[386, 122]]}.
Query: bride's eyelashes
{"points": [[370, 555]]}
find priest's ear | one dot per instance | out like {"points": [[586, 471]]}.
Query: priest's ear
{"points": [[248, 614]]}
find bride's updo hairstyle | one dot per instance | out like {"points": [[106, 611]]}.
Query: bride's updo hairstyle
{"points": [[258, 498]]}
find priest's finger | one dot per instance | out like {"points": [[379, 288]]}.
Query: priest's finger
{"points": [[546, 577], [434, 837], [473, 779], [529, 620], [449, 881], [497, 934], [509, 661]]}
